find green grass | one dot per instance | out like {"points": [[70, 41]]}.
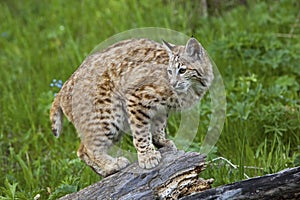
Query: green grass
{"points": [[45, 40]]}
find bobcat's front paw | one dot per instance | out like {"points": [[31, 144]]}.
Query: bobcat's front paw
{"points": [[163, 142], [149, 159], [170, 145]]}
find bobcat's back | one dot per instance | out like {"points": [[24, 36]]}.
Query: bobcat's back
{"points": [[114, 69]]}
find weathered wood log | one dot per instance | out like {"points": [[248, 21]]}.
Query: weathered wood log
{"points": [[282, 185], [175, 177]]}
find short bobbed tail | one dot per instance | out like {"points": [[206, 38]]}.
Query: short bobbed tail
{"points": [[56, 117]]}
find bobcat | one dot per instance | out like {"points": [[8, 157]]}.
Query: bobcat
{"points": [[133, 83]]}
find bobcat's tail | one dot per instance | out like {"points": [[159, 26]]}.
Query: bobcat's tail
{"points": [[56, 117]]}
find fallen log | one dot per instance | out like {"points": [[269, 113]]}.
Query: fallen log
{"points": [[282, 185], [175, 177]]}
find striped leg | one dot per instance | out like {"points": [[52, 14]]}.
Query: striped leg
{"points": [[140, 125], [159, 132]]}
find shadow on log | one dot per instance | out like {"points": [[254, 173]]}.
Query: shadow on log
{"points": [[177, 178]]}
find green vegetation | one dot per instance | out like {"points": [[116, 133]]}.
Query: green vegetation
{"points": [[45, 40]]}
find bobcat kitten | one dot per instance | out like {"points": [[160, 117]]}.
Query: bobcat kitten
{"points": [[133, 83]]}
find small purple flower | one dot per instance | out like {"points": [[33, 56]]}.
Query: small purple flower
{"points": [[56, 83]]}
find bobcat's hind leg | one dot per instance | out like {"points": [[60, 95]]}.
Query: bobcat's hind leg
{"points": [[101, 162]]}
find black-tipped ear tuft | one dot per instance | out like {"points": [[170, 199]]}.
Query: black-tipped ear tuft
{"points": [[169, 47]]}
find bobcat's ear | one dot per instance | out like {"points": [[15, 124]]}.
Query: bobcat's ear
{"points": [[194, 49], [169, 47]]}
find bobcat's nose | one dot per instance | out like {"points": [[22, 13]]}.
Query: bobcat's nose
{"points": [[174, 84]]}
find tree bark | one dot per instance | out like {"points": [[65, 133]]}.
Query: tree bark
{"points": [[177, 178], [282, 185]]}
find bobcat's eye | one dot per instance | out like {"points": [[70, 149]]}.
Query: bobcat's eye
{"points": [[182, 70], [169, 71]]}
